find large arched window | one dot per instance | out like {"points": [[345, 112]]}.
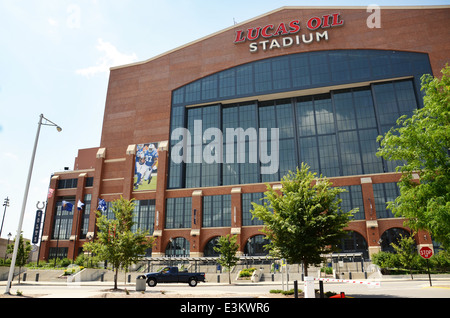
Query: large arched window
{"points": [[209, 248], [255, 246], [354, 243], [393, 235], [178, 247], [302, 71]]}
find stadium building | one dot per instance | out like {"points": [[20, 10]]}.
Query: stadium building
{"points": [[194, 134]]}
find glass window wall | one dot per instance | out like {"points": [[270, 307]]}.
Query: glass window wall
{"points": [[334, 133], [217, 211], [384, 193], [178, 213], [247, 199], [144, 216], [62, 226]]}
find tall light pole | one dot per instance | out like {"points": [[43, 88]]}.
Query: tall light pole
{"points": [[6, 204], [25, 197]]}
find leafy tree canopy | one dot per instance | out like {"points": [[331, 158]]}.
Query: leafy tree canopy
{"points": [[422, 144], [227, 247], [115, 241], [305, 220]]}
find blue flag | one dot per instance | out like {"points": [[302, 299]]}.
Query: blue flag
{"points": [[67, 206], [101, 205], [80, 205]]}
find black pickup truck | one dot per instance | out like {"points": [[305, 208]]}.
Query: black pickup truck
{"points": [[172, 275]]}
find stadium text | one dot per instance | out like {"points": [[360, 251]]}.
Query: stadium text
{"points": [[288, 32]]}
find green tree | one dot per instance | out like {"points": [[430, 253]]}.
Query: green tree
{"points": [[227, 247], [406, 251], [305, 220], [23, 252], [422, 143], [385, 260], [115, 241]]}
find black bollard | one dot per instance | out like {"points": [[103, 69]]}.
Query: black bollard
{"points": [[321, 289], [295, 289]]}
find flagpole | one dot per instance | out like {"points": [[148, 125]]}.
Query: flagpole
{"points": [[76, 232], [75, 238], [59, 231]]}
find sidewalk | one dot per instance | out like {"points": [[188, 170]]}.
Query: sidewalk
{"points": [[100, 289], [390, 288]]}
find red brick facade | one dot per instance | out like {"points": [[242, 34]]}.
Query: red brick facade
{"points": [[141, 93]]}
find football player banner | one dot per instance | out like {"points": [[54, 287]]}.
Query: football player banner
{"points": [[146, 168]]}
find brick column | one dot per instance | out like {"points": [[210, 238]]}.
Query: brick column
{"points": [[196, 223], [77, 219], [129, 166], [160, 206], [372, 232], [236, 218], [100, 158]]}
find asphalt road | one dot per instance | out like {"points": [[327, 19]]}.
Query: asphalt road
{"points": [[418, 288]]}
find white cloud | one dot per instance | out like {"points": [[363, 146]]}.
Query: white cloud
{"points": [[10, 155], [52, 22], [112, 57]]}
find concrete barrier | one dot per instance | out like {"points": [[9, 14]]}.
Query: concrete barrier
{"points": [[256, 276], [88, 275]]}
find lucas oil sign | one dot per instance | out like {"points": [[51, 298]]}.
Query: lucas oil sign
{"points": [[285, 35]]}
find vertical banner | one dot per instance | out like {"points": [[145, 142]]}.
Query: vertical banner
{"points": [[37, 226], [146, 168]]}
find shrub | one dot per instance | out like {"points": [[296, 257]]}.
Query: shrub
{"points": [[81, 260], [290, 292], [385, 260], [72, 269], [327, 270], [65, 262], [441, 261], [284, 292], [247, 272], [390, 263], [5, 262]]}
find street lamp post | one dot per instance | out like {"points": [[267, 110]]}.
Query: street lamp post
{"points": [[25, 197], [6, 204]]}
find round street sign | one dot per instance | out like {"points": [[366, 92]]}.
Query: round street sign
{"points": [[426, 252]]}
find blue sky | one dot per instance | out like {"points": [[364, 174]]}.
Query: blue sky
{"points": [[55, 60]]}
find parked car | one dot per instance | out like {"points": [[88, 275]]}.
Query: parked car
{"points": [[173, 275]]}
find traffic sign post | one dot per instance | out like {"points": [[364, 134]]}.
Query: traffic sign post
{"points": [[426, 253]]}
